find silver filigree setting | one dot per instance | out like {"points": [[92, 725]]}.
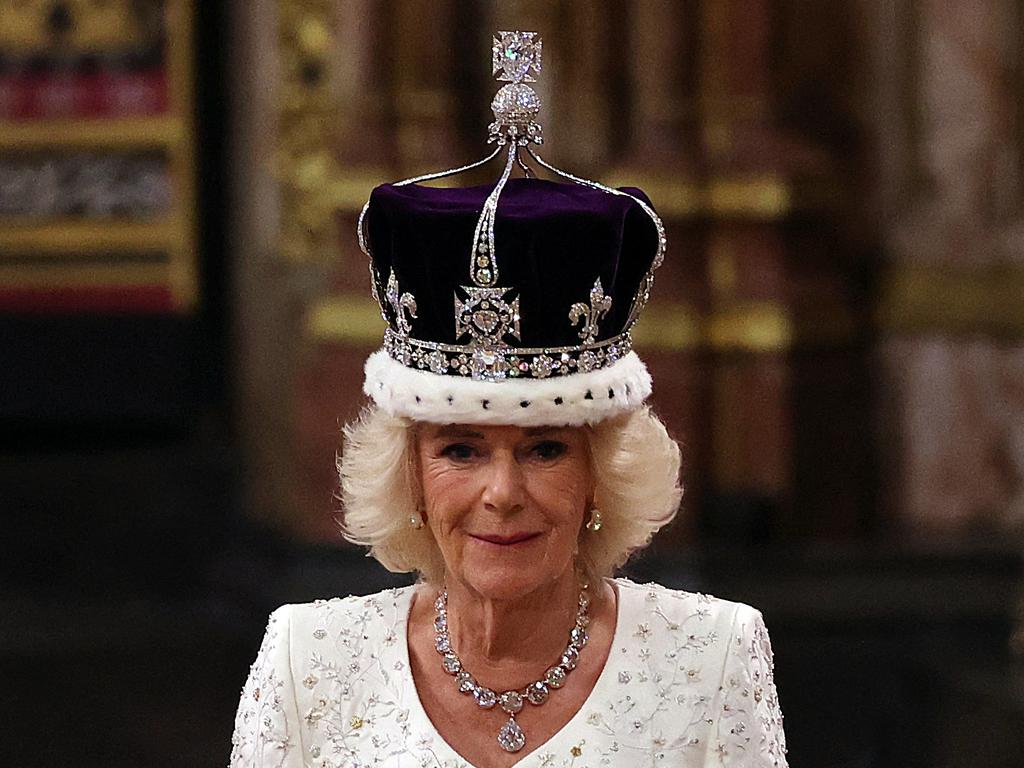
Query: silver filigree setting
{"points": [[487, 316], [401, 303], [591, 315], [497, 363], [483, 261], [516, 105]]}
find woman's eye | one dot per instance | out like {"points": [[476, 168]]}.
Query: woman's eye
{"points": [[458, 451], [549, 449]]}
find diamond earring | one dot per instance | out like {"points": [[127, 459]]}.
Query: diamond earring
{"points": [[594, 524]]}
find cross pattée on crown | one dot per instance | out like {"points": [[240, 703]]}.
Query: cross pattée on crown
{"points": [[515, 54]]}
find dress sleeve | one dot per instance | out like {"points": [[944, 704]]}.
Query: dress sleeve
{"points": [[267, 723], [748, 730]]}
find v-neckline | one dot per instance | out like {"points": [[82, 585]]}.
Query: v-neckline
{"points": [[418, 711]]}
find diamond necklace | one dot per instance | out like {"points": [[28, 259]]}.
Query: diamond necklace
{"points": [[511, 736]]}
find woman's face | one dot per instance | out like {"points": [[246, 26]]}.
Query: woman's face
{"points": [[505, 503]]}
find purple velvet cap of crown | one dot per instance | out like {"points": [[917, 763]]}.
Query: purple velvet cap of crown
{"points": [[552, 241]]}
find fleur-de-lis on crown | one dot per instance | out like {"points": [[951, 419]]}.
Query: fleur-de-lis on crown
{"points": [[591, 315], [400, 304]]}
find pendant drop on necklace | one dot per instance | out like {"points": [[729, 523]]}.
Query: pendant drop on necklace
{"points": [[511, 736]]}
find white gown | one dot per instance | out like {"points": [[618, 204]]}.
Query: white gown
{"points": [[688, 682]]}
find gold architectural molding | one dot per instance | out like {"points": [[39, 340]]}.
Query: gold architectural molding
{"points": [[68, 238], [922, 299], [353, 320], [675, 326], [764, 197], [753, 327], [84, 276], [122, 133], [183, 274], [304, 161]]}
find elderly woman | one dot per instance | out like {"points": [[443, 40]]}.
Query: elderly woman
{"points": [[507, 458]]}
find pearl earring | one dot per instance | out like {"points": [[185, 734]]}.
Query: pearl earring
{"points": [[416, 521], [594, 524]]}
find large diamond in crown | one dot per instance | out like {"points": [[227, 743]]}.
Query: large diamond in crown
{"points": [[514, 54], [487, 316]]}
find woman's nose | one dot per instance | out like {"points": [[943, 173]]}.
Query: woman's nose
{"points": [[503, 490]]}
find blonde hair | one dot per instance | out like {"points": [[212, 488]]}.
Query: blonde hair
{"points": [[636, 472]]}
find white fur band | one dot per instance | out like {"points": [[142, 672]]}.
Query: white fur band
{"points": [[580, 398]]}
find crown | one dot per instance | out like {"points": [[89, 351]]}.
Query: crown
{"points": [[529, 281]]}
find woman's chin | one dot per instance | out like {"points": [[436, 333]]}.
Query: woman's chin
{"points": [[495, 582], [508, 577]]}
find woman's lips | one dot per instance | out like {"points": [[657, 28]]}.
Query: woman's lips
{"points": [[507, 540]]}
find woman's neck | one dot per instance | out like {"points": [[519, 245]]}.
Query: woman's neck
{"points": [[498, 639]]}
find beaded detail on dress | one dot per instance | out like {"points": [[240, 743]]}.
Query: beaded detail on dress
{"points": [[688, 682]]}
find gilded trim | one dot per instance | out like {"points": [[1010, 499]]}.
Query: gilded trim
{"points": [[351, 320], [83, 276], [312, 184], [69, 237], [918, 299], [669, 327], [755, 327], [118, 133], [183, 273]]}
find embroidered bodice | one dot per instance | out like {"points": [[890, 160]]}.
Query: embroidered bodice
{"points": [[688, 682]]}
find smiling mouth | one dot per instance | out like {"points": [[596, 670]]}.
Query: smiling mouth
{"points": [[505, 541]]}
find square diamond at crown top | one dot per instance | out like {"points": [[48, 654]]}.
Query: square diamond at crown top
{"points": [[514, 54]]}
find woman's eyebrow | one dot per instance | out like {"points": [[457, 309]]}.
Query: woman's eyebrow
{"points": [[535, 431], [456, 431]]}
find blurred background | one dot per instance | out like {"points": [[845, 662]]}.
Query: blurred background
{"points": [[836, 337]]}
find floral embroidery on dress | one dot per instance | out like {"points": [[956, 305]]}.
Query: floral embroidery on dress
{"points": [[263, 731], [749, 727], [688, 682]]}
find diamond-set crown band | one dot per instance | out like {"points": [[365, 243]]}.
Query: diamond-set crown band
{"points": [[504, 362]]}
